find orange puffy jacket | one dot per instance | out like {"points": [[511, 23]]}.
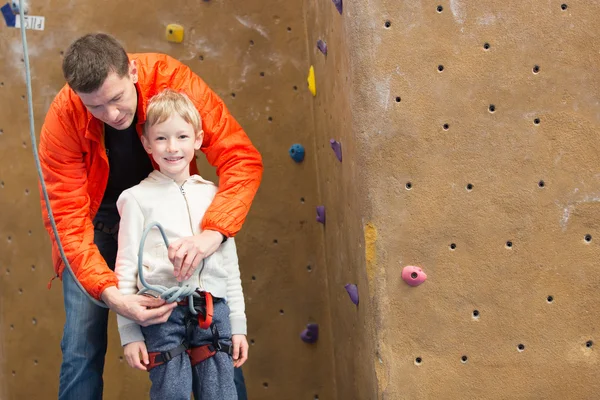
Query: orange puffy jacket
{"points": [[75, 165]]}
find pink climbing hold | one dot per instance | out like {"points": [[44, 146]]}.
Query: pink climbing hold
{"points": [[414, 276], [337, 148], [321, 214], [352, 292], [338, 5], [310, 334]]}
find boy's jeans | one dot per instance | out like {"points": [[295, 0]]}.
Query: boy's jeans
{"points": [[85, 336]]}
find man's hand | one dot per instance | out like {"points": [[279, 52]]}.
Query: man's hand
{"points": [[240, 350], [143, 310], [187, 253]]}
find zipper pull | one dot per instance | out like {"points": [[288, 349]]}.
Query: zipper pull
{"points": [[182, 190]]}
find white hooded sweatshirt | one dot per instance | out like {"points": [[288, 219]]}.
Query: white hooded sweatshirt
{"points": [[179, 210]]}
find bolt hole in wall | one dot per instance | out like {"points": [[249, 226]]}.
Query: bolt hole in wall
{"points": [[486, 46], [418, 360], [589, 344], [521, 347], [587, 238], [475, 314], [464, 359]]}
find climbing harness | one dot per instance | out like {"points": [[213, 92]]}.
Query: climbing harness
{"points": [[197, 354], [170, 295]]}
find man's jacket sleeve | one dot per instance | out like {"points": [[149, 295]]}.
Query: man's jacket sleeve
{"points": [[64, 172], [228, 148]]}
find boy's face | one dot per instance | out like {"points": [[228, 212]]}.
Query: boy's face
{"points": [[115, 102], [172, 144]]}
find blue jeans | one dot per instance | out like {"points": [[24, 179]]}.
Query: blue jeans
{"points": [[211, 379], [85, 337]]}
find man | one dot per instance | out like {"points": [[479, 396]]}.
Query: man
{"points": [[90, 151]]}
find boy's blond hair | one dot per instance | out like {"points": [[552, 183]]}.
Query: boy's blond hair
{"points": [[168, 102]]}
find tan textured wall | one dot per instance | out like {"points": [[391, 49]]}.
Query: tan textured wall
{"points": [[229, 45], [342, 193], [504, 155]]}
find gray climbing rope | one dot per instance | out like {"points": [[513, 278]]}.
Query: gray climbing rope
{"points": [[37, 158], [170, 295]]}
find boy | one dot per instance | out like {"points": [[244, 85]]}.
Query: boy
{"points": [[177, 200], [90, 151]]}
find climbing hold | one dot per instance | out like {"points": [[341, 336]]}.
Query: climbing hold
{"points": [[338, 5], [310, 334], [297, 152], [321, 45], [353, 292], [414, 276], [174, 33], [337, 148], [312, 85], [9, 16], [321, 214]]}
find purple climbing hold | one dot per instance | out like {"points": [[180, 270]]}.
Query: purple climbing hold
{"points": [[353, 292], [322, 46], [310, 334], [337, 148], [321, 214], [338, 5]]}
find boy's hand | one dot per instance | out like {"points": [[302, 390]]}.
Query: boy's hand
{"points": [[133, 351], [187, 253], [240, 350]]}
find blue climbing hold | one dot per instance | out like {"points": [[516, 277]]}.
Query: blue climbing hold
{"points": [[297, 152]]}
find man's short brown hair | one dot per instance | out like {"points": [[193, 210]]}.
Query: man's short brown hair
{"points": [[90, 59]]}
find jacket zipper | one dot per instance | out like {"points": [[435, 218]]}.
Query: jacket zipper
{"points": [[192, 229], [188, 209]]}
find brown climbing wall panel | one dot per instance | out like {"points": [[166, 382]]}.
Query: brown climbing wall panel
{"points": [[343, 195], [253, 55], [476, 126]]}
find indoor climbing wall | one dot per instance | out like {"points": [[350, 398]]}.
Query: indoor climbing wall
{"points": [[255, 57], [343, 196], [468, 133]]}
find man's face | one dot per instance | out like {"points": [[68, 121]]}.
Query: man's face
{"points": [[115, 102]]}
